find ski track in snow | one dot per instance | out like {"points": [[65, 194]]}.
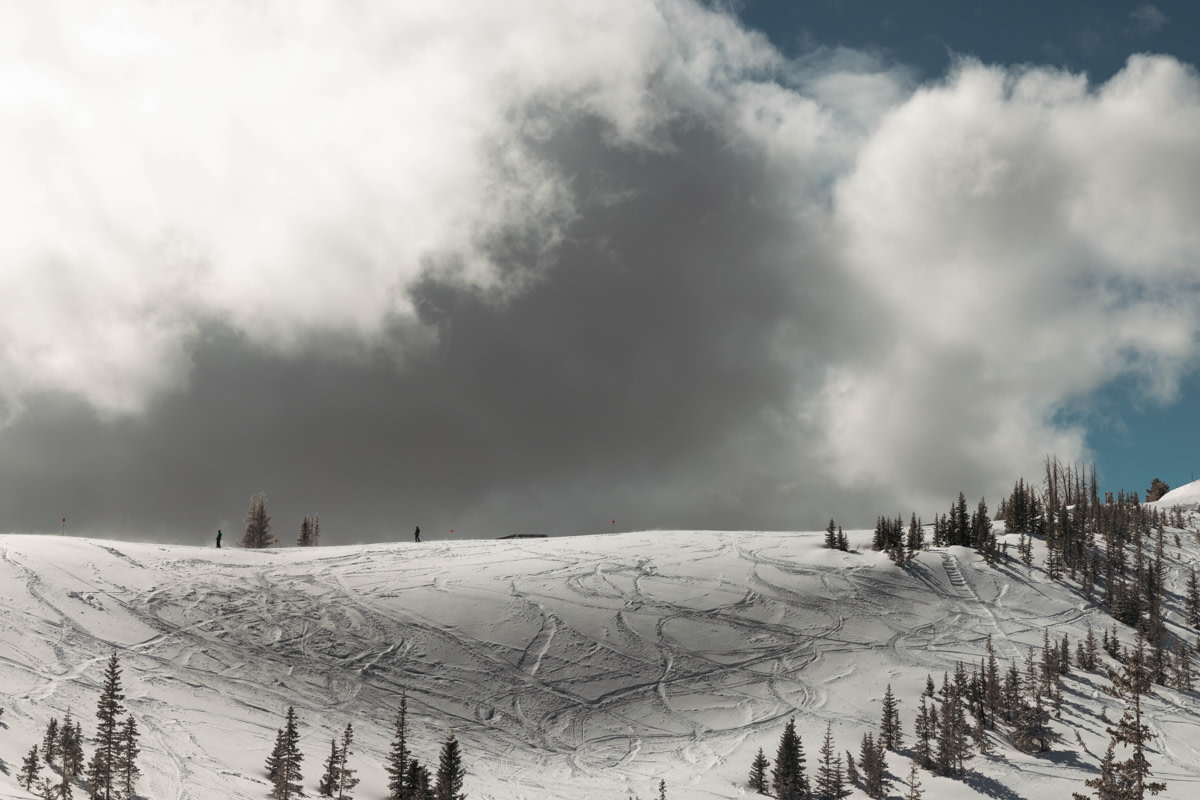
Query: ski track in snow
{"points": [[577, 668]]}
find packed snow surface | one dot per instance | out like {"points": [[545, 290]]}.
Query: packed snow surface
{"points": [[583, 668]]}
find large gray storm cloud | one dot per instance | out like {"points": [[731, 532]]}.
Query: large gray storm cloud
{"points": [[536, 266]]}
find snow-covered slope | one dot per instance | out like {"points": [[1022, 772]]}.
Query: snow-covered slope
{"points": [[1187, 496], [580, 668]]}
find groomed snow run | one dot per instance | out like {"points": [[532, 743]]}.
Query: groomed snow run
{"points": [[577, 668]]}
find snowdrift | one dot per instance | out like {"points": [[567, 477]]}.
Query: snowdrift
{"points": [[1187, 496], [579, 668]]}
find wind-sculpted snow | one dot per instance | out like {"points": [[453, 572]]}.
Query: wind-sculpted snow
{"points": [[1187, 496], [579, 668]]}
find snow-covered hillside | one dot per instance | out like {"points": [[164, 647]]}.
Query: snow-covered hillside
{"points": [[581, 668], [1187, 496]]}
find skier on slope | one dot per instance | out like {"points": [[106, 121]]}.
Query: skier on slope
{"points": [[218, 538], [417, 534]]}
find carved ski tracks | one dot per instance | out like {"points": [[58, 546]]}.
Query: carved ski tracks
{"points": [[966, 592]]}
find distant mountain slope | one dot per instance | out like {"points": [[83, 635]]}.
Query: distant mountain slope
{"points": [[580, 668]]}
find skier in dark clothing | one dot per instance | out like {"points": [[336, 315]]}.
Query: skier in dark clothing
{"points": [[218, 538], [417, 534]]}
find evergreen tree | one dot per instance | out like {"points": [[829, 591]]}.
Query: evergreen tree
{"points": [[1109, 784], [992, 685], [925, 730], [843, 541], [831, 535], [70, 747], [916, 536], [662, 790], [758, 772], [328, 783], [1192, 599], [984, 539], [914, 783], [416, 781], [1025, 549], [310, 532], [851, 770], [286, 784], [829, 784], [275, 757], [450, 772], [102, 767], [952, 745], [30, 768], [258, 524], [890, 734], [871, 764], [1054, 561], [346, 780], [1012, 693], [1088, 655], [1181, 664], [1129, 684], [127, 771], [398, 757], [50, 742], [788, 777], [960, 522], [305, 537], [1031, 729], [1049, 664]]}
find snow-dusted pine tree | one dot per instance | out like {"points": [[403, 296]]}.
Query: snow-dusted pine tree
{"points": [[273, 759], [1192, 599], [398, 757], [30, 768], [788, 777], [913, 782], [328, 783], [127, 771], [102, 767], [50, 742], [417, 781], [758, 772], [305, 538], [286, 784], [890, 735], [450, 772], [345, 776], [1129, 684], [829, 783], [70, 755], [70, 747], [871, 765], [258, 523], [924, 730]]}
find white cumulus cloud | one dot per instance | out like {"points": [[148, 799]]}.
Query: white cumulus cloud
{"points": [[289, 170]]}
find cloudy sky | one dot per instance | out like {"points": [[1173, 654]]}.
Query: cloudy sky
{"points": [[536, 266]]}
